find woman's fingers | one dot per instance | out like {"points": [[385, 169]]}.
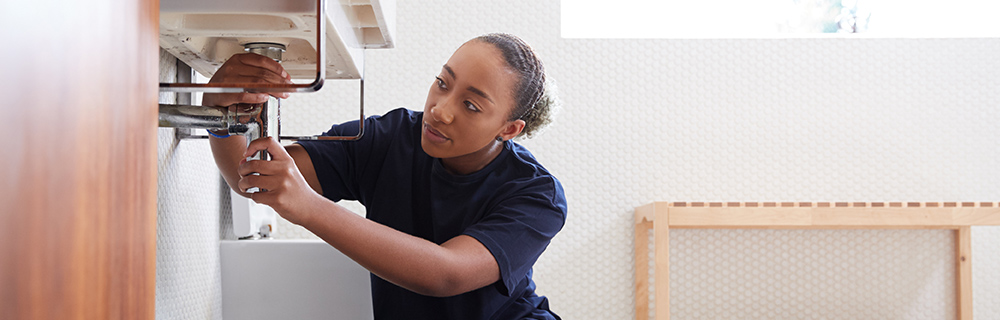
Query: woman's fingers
{"points": [[227, 99], [271, 145], [253, 75], [251, 97], [263, 69], [264, 184], [255, 166], [248, 68], [279, 179], [263, 75], [256, 60], [280, 160], [267, 175], [261, 66], [250, 181]]}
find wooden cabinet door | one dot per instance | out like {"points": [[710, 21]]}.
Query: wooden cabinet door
{"points": [[78, 162]]}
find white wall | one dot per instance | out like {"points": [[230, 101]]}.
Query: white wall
{"points": [[731, 120], [188, 204]]}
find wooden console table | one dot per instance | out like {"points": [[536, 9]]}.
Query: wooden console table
{"points": [[663, 216]]}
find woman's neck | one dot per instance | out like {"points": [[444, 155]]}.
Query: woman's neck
{"points": [[470, 163]]}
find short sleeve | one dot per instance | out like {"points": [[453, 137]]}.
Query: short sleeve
{"points": [[335, 161], [521, 227], [341, 166]]}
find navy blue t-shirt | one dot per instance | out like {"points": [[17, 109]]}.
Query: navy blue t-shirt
{"points": [[513, 206]]}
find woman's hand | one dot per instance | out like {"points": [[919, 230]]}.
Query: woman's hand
{"points": [[286, 189], [247, 68]]}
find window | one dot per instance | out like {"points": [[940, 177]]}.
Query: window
{"points": [[776, 18]]}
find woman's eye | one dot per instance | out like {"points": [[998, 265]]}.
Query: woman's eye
{"points": [[471, 107], [440, 83]]}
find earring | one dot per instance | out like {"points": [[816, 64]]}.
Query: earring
{"points": [[499, 139]]}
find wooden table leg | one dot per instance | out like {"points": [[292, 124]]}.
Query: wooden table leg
{"points": [[661, 236], [642, 269], [963, 268]]}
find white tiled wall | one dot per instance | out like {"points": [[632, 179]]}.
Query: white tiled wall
{"points": [[986, 272], [188, 202], [727, 120]]}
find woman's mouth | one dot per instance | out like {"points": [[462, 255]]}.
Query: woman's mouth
{"points": [[433, 135]]}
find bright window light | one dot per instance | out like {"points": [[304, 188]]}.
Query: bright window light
{"points": [[778, 18]]}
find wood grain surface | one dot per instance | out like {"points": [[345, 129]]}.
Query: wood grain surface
{"points": [[78, 169]]}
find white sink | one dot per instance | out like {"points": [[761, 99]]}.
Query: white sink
{"points": [[204, 34], [291, 279]]}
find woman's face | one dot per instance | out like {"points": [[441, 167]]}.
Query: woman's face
{"points": [[469, 103]]}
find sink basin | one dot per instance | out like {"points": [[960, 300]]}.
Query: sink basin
{"points": [[204, 34], [291, 279]]}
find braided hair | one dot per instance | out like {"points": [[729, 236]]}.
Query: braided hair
{"points": [[534, 94]]}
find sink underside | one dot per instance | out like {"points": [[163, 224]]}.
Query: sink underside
{"points": [[204, 34]]}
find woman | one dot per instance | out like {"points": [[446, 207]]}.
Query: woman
{"points": [[456, 212]]}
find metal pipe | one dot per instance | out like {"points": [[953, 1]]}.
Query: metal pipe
{"points": [[193, 117], [268, 49], [242, 118], [273, 51], [361, 126]]}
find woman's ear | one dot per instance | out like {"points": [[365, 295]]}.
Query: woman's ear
{"points": [[512, 129]]}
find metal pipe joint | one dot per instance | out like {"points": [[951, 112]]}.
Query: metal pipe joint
{"points": [[240, 118]]}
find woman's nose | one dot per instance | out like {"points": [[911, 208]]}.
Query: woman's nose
{"points": [[442, 114]]}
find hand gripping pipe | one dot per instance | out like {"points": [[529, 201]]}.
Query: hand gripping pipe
{"points": [[245, 119], [185, 116]]}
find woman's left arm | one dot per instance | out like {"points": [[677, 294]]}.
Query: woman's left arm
{"points": [[459, 265]]}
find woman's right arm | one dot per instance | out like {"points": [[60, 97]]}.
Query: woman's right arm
{"points": [[228, 152]]}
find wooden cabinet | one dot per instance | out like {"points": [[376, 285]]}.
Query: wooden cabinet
{"points": [[78, 169]]}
